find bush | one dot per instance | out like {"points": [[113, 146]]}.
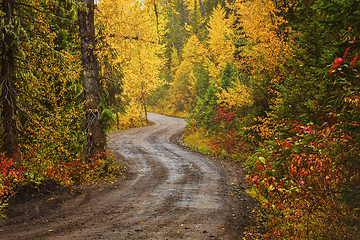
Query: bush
{"points": [[304, 182], [76, 171], [10, 177]]}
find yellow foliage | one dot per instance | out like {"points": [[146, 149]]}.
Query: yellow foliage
{"points": [[238, 96], [134, 116], [190, 5], [267, 127], [183, 88], [194, 52], [53, 112], [266, 33], [132, 37], [221, 46], [175, 60]]}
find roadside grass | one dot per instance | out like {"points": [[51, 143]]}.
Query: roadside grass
{"points": [[199, 140], [168, 112]]}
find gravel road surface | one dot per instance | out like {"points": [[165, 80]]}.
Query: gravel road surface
{"points": [[170, 192]]}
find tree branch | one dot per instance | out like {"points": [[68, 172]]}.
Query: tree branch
{"points": [[112, 80], [133, 38]]}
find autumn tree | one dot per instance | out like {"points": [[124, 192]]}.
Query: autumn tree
{"points": [[50, 100], [196, 24], [21, 28], [141, 79], [220, 40], [134, 42], [263, 55], [184, 85], [42, 94]]}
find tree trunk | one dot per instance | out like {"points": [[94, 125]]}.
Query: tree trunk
{"points": [[145, 109], [8, 93], [95, 134], [117, 121]]}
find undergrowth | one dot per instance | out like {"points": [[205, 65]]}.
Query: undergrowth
{"points": [[199, 140], [36, 170]]}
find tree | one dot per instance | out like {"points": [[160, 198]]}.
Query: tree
{"points": [[133, 39], [49, 87], [184, 86], [263, 56], [95, 134], [220, 40], [178, 17], [8, 97], [265, 31], [197, 22], [204, 111], [233, 92], [141, 78], [38, 73]]}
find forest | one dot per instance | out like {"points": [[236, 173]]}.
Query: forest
{"points": [[273, 84]]}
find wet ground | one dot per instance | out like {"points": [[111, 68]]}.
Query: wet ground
{"points": [[170, 192]]}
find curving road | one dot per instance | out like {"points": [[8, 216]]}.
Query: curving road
{"points": [[170, 192]]}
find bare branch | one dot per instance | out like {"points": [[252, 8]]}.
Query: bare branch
{"points": [[133, 38], [112, 80]]}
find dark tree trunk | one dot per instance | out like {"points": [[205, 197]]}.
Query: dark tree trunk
{"points": [[8, 93], [145, 108], [117, 120], [95, 134]]}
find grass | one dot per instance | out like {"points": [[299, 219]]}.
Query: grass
{"points": [[198, 140], [168, 112]]}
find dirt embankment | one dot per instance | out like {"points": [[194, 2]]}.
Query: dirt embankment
{"points": [[169, 192]]}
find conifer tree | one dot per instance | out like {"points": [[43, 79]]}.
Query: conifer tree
{"points": [[37, 71]]}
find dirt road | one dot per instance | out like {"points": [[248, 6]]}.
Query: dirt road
{"points": [[170, 192]]}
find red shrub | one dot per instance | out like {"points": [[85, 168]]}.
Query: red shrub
{"points": [[9, 176]]}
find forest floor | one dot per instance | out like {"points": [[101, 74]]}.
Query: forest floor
{"points": [[169, 192]]}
